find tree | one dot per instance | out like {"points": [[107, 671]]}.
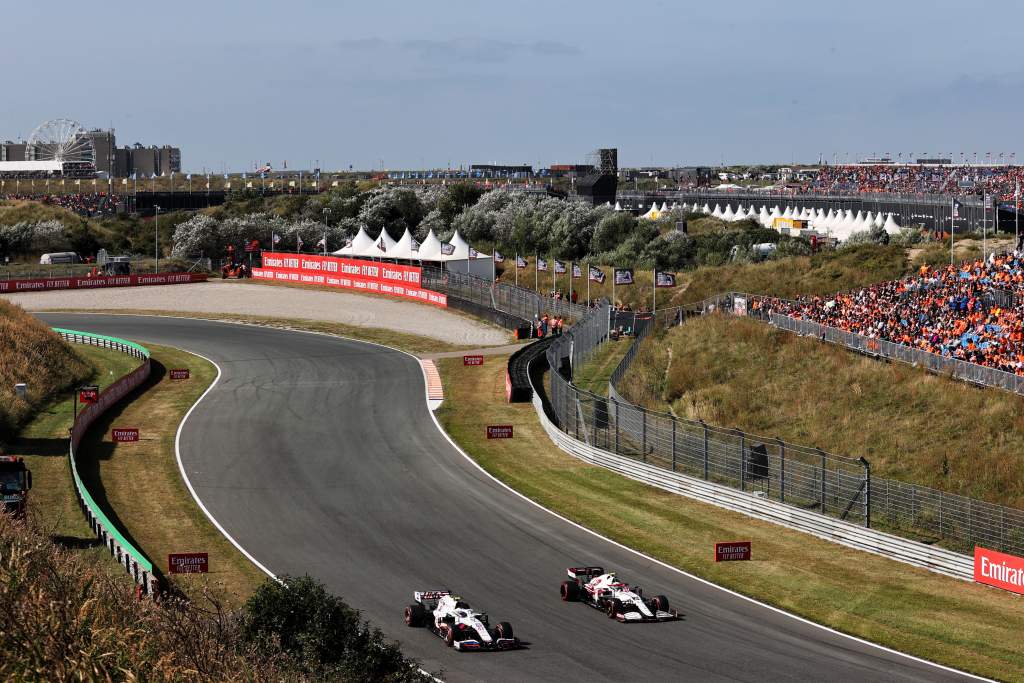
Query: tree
{"points": [[612, 231]]}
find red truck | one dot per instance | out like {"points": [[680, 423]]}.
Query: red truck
{"points": [[15, 482]]}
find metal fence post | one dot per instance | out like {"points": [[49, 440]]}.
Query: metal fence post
{"points": [[743, 460], [822, 479], [616, 425], [867, 492], [704, 425], [673, 444], [643, 434], [782, 470]]}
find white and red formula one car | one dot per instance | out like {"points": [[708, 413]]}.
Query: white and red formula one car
{"points": [[460, 626], [604, 591]]}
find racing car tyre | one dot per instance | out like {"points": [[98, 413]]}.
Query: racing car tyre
{"points": [[449, 635], [504, 630], [570, 591], [415, 615], [614, 607], [660, 602]]}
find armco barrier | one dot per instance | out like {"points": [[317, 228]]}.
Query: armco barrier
{"points": [[851, 535], [127, 555]]}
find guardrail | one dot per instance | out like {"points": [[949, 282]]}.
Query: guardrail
{"points": [[911, 552], [127, 555]]}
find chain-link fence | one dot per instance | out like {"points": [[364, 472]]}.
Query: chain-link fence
{"points": [[794, 474]]}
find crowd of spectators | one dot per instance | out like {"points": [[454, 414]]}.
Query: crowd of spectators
{"points": [[964, 311], [84, 204], [914, 179]]}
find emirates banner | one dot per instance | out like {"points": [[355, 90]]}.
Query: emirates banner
{"points": [[99, 282], [345, 273]]}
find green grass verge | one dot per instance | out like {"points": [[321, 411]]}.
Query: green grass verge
{"points": [[955, 623], [139, 485], [594, 375]]}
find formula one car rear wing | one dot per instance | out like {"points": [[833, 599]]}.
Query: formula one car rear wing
{"points": [[420, 596], [584, 573]]}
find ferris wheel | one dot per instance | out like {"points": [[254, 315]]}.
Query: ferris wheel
{"points": [[61, 140]]}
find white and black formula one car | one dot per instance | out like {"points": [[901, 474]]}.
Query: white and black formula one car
{"points": [[460, 626], [604, 591]]}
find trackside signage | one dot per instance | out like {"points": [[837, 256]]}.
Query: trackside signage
{"points": [[88, 394], [733, 550], [472, 360], [44, 284], [124, 434], [188, 563], [331, 271], [179, 373], [499, 431], [999, 569]]}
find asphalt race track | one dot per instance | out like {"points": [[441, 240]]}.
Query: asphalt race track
{"points": [[319, 456]]}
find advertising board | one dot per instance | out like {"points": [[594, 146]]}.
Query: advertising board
{"points": [[188, 563], [88, 394], [499, 431], [997, 569], [100, 282], [124, 434], [472, 360], [344, 273], [179, 373], [732, 550]]}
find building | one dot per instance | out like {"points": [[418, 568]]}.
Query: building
{"points": [[500, 171], [108, 158]]}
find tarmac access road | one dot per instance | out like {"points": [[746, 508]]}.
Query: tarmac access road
{"points": [[319, 456]]}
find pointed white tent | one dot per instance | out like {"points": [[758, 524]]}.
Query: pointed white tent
{"points": [[773, 215], [652, 213], [891, 226], [664, 207], [618, 207], [764, 217], [788, 213], [695, 207], [460, 251], [751, 214], [383, 240], [829, 219], [728, 215], [717, 213], [858, 222], [430, 250], [407, 248], [879, 221], [869, 221], [360, 243]]}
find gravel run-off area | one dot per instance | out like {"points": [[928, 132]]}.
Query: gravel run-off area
{"points": [[242, 298]]}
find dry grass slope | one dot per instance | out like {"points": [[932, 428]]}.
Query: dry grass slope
{"points": [[31, 353], [909, 424]]}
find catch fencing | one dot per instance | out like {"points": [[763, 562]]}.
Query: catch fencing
{"points": [[958, 521], [126, 554]]}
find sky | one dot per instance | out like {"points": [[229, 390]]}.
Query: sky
{"points": [[402, 84]]}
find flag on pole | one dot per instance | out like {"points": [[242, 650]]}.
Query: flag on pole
{"points": [[664, 279], [414, 244], [473, 253], [291, 183], [498, 258], [298, 242], [275, 238], [542, 265], [447, 249], [124, 181], [559, 267], [623, 276], [520, 261], [596, 275], [576, 270], [322, 243], [381, 244], [956, 208]]}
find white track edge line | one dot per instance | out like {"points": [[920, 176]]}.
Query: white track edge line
{"points": [[441, 429], [698, 578]]}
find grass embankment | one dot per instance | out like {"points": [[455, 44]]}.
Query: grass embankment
{"points": [[140, 487], [594, 376], [909, 424], [956, 623], [43, 442], [30, 352]]}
